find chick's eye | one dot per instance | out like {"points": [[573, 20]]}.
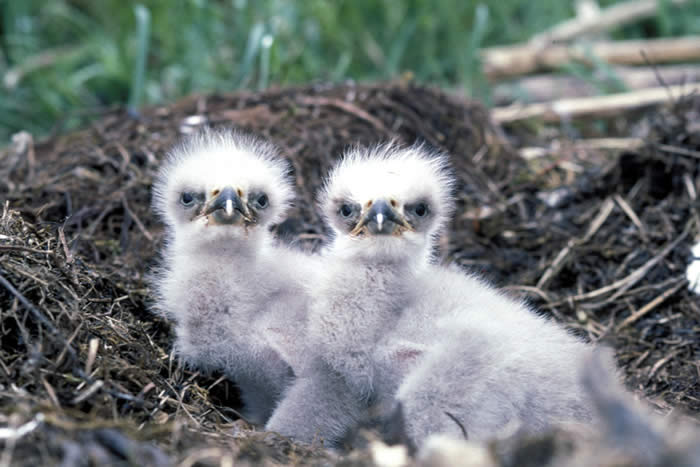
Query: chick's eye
{"points": [[187, 199], [420, 209], [346, 210], [262, 201]]}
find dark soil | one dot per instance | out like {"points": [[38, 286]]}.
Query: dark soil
{"points": [[600, 240]]}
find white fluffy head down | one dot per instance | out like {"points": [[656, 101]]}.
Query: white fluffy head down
{"points": [[241, 175], [388, 200]]}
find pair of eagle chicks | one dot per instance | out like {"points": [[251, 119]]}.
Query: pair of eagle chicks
{"points": [[318, 342]]}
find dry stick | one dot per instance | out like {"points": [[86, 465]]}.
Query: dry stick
{"points": [[626, 282], [23, 143], [51, 392], [52, 330], [651, 305], [680, 151], [92, 389], [529, 289], [200, 455], [643, 271], [606, 20], [66, 250], [27, 304], [93, 346], [345, 106], [67, 345], [558, 262], [600, 106], [632, 215], [25, 248], [507, 61], [549, 87], [136, 219], [592, 144], [662, 362], [690, 186]]}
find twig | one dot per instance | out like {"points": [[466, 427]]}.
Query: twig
{"points": [[632, 215], [25, 248], [600, 106], [677, 150], [559, 261], [625, 283], [94, 387], [662, 362], [583, 145], [24, 144], [51, 392], [53, 331], [549, 87], [93, 346], [505, 61], [66, 250], [606, 20], [15, 433], [136, 220], [27, 304], [67, 348], [345, 106], [651, 305], [637, 275], [690, 186], [528, 289]]}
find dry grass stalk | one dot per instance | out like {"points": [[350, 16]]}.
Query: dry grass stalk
{"points": [[601, 106], [605, 20], [549, 87], [507, 61]]}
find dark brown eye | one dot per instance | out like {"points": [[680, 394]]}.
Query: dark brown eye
{"points": [[345, 210], [262, 201], [187, 199], [420, 209]]}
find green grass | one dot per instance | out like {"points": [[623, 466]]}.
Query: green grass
{"points": [[60, 60]]}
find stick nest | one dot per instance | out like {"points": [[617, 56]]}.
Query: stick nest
{"points": [[599, 243]]}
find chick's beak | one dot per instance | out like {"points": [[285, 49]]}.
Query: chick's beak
{"points": [[382, 219], [227, 208]]}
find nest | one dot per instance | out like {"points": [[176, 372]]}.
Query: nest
{"points": [[86, 371]]}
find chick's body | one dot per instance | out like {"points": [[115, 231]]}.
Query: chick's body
{"points": [[221, 320], [387, 329], [384, 227], [224, 282], [492, 366]]}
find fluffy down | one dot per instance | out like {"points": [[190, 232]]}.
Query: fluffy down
{"points": [[222, 279]]}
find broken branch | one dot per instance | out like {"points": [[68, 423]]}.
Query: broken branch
{"points": [[606, 20], [601, 106], [500, 62]]}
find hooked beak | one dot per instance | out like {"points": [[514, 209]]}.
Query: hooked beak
{"points": [[227, 208], [382, 219]]}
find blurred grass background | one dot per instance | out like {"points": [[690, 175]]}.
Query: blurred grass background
{"points": [[63, 60]]}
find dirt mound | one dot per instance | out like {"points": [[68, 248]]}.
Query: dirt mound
{"points": [[87, 372]]}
